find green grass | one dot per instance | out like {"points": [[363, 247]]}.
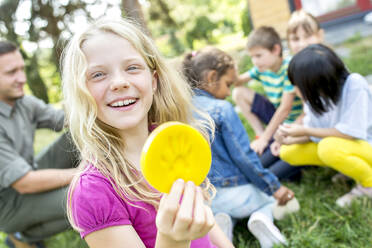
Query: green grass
{"points": [[360, 59]]}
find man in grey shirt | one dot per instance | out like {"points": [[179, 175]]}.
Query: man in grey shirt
{"points": [[32, 190]]}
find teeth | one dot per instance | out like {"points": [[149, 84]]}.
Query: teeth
{"points": [[123, 103]]}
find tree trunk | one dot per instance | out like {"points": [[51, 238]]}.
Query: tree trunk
{"points": [[133, 10]]}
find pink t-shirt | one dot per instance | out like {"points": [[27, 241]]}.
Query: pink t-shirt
{"points": [[96, 205]]}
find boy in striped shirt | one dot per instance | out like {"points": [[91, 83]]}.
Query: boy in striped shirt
{"points": [[270, 68]]}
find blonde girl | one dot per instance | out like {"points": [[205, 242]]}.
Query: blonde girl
{"points": [[116, 88], [303, 29]]}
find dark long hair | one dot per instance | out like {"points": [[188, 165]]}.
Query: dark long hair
{"points": [[320, 75]]}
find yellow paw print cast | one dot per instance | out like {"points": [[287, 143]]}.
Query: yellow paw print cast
{"points": [[175, 150]]}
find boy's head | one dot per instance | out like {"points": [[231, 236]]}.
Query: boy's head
{"points": [[303, 30], [265, 48], [12, 73]]}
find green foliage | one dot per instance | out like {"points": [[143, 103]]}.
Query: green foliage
{"points": [[246, 21], [245, 63], [360, 59], [201, 30]]}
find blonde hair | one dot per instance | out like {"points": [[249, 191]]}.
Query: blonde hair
{"points": [[301, 18], [101, 145]]}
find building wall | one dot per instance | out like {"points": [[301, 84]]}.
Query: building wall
{"points": [[275, 13]]}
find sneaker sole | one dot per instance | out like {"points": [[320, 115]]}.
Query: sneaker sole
{"points": [[260, 228]]}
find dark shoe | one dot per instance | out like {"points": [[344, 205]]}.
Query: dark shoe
{"points": [[12, 242]]}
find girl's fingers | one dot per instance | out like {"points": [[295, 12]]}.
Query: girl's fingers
{"points": [[209, 221], [184, 216], [199, 213], [168, 207]]}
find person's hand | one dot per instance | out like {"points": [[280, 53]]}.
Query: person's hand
{"points": [[259, 145], [292, 130], [186, 220], [283, 195], [275, 148], [279, 136]]}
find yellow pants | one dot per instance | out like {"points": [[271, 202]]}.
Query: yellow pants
{"points": [[350, 157]]}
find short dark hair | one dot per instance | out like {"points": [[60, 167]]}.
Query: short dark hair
{"points": [[265, 37], [320, 75], [7, 47]]}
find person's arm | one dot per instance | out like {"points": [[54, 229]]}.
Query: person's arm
{"points": [[45, 115], [43, 180], [219, 238], [237, 144], [295, 130], [279, 116], [177, 223], [243, 78]]}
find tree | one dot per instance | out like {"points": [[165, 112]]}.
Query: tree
{"points": [[133, 10], [48, 20]]}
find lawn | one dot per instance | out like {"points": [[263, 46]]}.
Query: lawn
{"points": [[320, 222]]}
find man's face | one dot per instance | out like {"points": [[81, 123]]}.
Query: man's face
{"points": [[12, 77]]}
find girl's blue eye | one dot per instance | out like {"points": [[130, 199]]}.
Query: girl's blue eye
{"points": [[133, 67], [97, 74]]}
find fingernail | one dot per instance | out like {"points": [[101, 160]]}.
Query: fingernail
{"points": [[190, 183], [179, 181]]}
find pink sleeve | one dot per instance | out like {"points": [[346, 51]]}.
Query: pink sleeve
{"points": [[95, 205]]}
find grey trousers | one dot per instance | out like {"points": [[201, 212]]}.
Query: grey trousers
{"points": [[39, 216]]}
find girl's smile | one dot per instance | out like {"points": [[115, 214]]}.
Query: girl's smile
{"points": [[119, 80]]}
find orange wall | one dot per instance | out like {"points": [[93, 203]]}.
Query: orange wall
{"points": [[273, 13]]}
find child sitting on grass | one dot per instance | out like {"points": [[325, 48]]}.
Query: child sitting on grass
{"points": [[243, 185], [270, 69], [302, 30], [337, 128]]}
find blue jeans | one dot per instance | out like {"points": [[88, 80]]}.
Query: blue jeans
{"points": [[279, 168], [241, 201]]}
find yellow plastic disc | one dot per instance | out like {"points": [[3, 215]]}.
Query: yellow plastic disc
{"points": [[175, 150]]}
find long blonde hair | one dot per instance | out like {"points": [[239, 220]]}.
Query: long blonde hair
{"points": [[101, 145]]}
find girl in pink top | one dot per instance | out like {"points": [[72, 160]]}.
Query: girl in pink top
{"points": [[116, 85]]}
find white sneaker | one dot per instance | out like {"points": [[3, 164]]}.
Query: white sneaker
{"points": [[279, 212], [224, 221], [265, 231], [356, 192]]}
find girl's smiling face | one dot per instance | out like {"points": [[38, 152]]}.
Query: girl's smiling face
{"points": [[119, 80]]}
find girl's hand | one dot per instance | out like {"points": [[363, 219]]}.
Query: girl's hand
{"points": [[279, 136], [292, 130], [179, 222], [259, 145], [275, 148], [283, 195]]}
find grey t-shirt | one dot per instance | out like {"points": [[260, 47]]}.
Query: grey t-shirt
{"points": [[17, 130], [351, 116]]}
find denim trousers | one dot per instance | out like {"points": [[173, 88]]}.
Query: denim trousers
{"points": [[241, 201]]}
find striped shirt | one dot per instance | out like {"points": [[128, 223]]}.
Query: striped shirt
{"points": [[275, 84]]}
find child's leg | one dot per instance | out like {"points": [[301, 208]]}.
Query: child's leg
{"points": [[301, 154], [241, 201], [244, 97], [350, 157]]}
